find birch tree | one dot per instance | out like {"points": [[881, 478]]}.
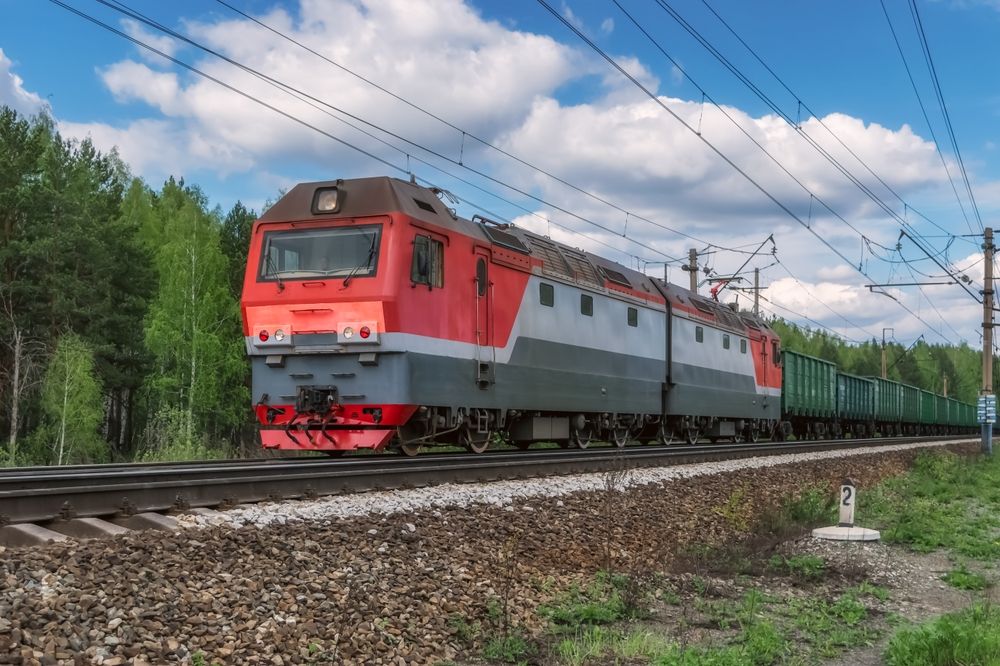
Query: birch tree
{"points": [[71, 405], [198, 362]]}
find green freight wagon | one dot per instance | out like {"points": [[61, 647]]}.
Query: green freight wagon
{"points": [[970, 416], [855, 404], [954, 413], [808, 393], [888, 405], [909, 407], [928, 408], [941, 410]]}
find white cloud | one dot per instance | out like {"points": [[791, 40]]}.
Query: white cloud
{"points": [[163, 43], [608, 26], [503, 84], [445, 57], [12, 91]]}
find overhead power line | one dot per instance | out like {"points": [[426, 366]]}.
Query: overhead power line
{"points": [[638, 84], [313, 101], [914, 235], [919, 24], [830, 131], [465, 133], [923, 110]]}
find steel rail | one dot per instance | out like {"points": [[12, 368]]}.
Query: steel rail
{"points": [[40, 494]]}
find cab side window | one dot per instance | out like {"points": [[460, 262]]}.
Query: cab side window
{"points": [[775, 353], [428, 262]]}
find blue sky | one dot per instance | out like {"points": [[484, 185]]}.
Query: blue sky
{"points": [[513, 75]]}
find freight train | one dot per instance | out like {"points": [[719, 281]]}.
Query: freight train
{"points": [[375, 317]]}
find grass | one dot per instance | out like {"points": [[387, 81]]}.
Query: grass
{"points": [[971, 636], [510, 649], [803, 567], [945, 502], [963, 579], [609, 598]]}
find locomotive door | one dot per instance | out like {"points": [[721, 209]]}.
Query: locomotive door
{"points": [[483, 293]]}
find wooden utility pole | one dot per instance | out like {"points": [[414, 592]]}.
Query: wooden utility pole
{"points": [[756, 292], [987, 390], [944, 385], [692, 269]]}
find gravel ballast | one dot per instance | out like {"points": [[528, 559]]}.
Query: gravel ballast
{"points": [[507, 493], [379, 586]]}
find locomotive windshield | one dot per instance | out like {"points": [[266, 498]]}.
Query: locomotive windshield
{"points": [[346, 252]]}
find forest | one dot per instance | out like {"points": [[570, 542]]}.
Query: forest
{"points": [[120, 334]]}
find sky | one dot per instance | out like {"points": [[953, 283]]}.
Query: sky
{"points": [[656, 126]]}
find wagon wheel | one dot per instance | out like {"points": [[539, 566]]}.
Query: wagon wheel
{"points": [[581, 438], [752, 434], [691, 435], [475, 442], [522, 445], [619, 437], [335, 453]]}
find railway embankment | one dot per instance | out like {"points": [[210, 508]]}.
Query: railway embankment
{"points": [[514, 578]]}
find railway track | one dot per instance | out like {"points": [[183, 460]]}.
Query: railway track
{"points": [[55, 495]]}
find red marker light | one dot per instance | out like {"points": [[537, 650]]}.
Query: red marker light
{"points": [[263, 335], [365, 332]]}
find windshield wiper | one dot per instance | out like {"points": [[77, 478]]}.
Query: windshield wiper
{"points": [[272, 270], [367, 266]]}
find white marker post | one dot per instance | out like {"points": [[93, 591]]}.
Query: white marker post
{"points": [[845, 530]]}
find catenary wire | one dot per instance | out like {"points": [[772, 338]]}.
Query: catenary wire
{"points": [[465, 132], [312, 101], [611, 61], [927, 120]]}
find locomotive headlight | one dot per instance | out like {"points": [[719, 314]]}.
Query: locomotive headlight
{"points": [[348, 333], [326, 200], [279, 335]]}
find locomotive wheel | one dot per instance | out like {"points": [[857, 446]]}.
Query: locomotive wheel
{"points": [[664, 435], [474, 442], [691, 435], [581, 438], [619, 437], [753, 435], [739, 437], [410, 449]]}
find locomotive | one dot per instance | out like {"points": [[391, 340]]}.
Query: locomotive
{"points": [[375, 317]]}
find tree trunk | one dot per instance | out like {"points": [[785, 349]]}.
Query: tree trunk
{"points": [[15, 396], [62, 418]]}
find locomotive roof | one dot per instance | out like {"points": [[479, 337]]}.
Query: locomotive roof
{"points": [[382, 195]]}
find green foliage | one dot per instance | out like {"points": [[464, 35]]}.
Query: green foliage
{"points": [[510, 649], [829, 628], [806, 567], [191, 323], [867, 589], [963, 579], [946, 501], [607, 599], [463, 629], [71, 407], [757, 645], [971, 636]]}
